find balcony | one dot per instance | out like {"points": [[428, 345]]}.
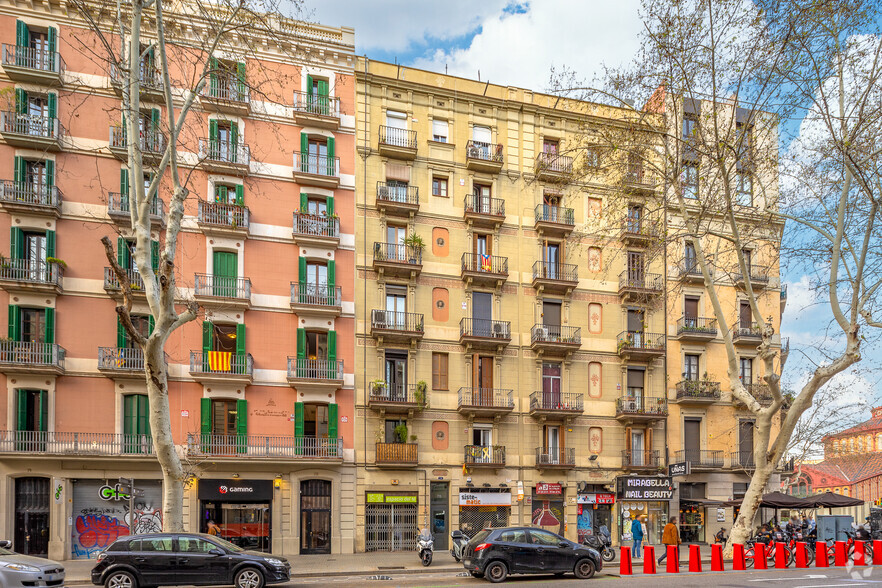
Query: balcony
{"points": [[315, 375], [397, 454], [689, 271], [398, 260], [555, 339], [640, 346], [701, 459], [555, 405], [397, 143], [312, 110], [149, 82], [396, 327], [119, 210], [221, 367], [223, 291], [744, 333], [637, 179], [228, 95], [759, 277], [555, 278], [271, 448], [786, 466], [489, 271], [480, 456], [316, 300], [30, 198], [26, 275], [742, 460], [640, 408], [113, 287], [554, 221], [25, 357], [641, 460], [484, 402], [640, 232], [557, 458], [65, 444], [696, 328], [759, 390], [783, 297], [484, 334], [398, 200], [223, 219], [225, 157], [321, 171], [321, 231], [396, 398], [639, 286], [698, 392], [122, 361], [551, 167], [484, 157], [31, 65], [152, 144], [31, 131], [483, 212]]}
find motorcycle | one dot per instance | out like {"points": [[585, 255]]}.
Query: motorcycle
{"points": [[602, 542], [426, 545], [460, 540]]}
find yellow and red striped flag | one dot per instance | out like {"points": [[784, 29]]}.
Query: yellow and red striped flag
{"points": [[219, 361]]}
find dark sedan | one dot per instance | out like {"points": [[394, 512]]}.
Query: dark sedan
{"points": [[175, 559], [495, 553]]}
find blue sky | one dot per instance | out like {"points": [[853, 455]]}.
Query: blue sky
{"points": [[510, 42]]}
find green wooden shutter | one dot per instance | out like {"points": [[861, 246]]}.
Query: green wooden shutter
{"points": [[50, 172], [22, 410], [20, 171], [212, 75], [14, 330], [304, 203], [323, 101], [332, 168], [50, 326], [151, 324], [212, 137], [240, 78], [53, 105], [22, 34], [240, 339], [207, 332], [332, 355], [240, 194], [129, 415], [242, 424], [332, 425], [332, 277], [301, 363], [234, 142], [298, 419], [154, 119], [205, 415], [124, 182], [123, 253], [122, 337], [16, 243], [301, 275], [53, 46], [304, 152], [329, 204], [309, 85], [154, 255], [21, 101], [50, 243], [43, 398]]}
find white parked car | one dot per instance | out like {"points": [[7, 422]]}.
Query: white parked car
{"points": [[25, 571]]}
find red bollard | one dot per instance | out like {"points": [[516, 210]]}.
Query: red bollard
{"points": [[759, 556], [877, 553], [780, 555], [840, 555], [649, 559], [799, 555], [717, 557], [694, 558], [821, 556], [860, 555], [673, 560], [625, 564], [738, 557]]}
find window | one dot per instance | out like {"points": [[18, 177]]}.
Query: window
{"points": [[141, 323], [33, 325], [439, 187], [592, 157], [395, 235], [315, 420], [194, 545], [227, 79], [223, 417], [635, 383], [690, 128], [551, 383], [747, 254], [689, 181], [513, 537], [32, 410], [316, 277], [482, 435], [635, 218], [745, 316], [543, 538], [635, 168], [745, 137], [745, 370], [159, 544], [439, 130], [690, 258], [551, 314], [391, 435], [744, 188], [223, 338], [224, 193], [482, 378], [439, 371], [550, 145], [690, 310], [690, 367], [396, 375], [316, 345]]}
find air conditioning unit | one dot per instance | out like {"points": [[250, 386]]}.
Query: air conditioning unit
{"points": [[542, 333], [631, 406], [500, 330]]}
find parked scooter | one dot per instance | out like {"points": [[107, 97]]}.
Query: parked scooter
{"points": [[426, 545], [602, 542], [460, 540]]}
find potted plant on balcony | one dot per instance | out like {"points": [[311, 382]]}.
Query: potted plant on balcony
{"points": [[378, 388], [420, 393], [401, 433], [415, 246]]}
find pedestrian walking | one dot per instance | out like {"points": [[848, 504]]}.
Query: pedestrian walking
{"points": [[670, 536], [637, 536]]}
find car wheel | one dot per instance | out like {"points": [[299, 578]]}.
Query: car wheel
{"points": [[496, 572], [584, 569], [120, 579], [248, 578]]}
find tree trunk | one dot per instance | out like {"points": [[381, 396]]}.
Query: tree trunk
{"points": [[742, 528]]}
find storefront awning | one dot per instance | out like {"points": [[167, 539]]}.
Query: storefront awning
{"points": [[703, 501]]}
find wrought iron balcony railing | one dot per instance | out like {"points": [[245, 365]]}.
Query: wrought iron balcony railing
{"points": [[640, 459], [397, 321], [486, 398], [35, 194], [555, 334], [228, 89], [32, 125], [484, 151], [30, 271], [546, 213], [706, 458], [258, 446], [549, 270], [642, 405], [698, 325], [118, 203], [397, 252], [220, 214], [395, 393], [74, 444], [743, 459], [31, 354], [111, 282], [121, 358], [316, 225], [408, 194], [316, 104], [398, 137], [487, 328], [223, 286], [555, 456], [746, 330], [561, 401], [152, 142], [475, 204], [32, 58], [641, 341], [698, 389], [220, 362], [554, 163], [317, 165], [315, 369], [226, 152], [484, 455], [491, 264], [631, 280], [316, 294]]}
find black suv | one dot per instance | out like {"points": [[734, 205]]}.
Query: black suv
{"points": [[495, 553], [175, 559]]}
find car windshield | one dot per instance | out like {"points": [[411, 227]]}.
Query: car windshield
{"points": [[226, 544], [480, 536]]}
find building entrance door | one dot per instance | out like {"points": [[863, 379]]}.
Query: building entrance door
{"points": [[32, 516], [315, 516], [440, 504]]}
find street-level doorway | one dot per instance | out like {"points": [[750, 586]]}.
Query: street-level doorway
{"points": [[315, 516], [439, 495], [32, 516], [391, 521], [242, 509]]}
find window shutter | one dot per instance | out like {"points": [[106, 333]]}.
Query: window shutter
{"points": [[22, 420], [212, 133], [332, 279], [332, 350], [240, 75], [332, 422], [304, 152], [50, 326], [301, 343], [50, 243], [14, 330], [240, 194], [212, 75], [647, 440], [332, 168], [154, 255], [21, 101], [144, 414], [329, 203], [123, 255], [124, 184], [16, 243], [298, 419], [154, 119], [53, 106], [323, 102], [122, 337], [50, 172], [129, 410], [151, 324], [242, 417], [301, 276], [304, 203], [234, 138], [43, 398], [205, 410], [323, 88], [53, 44], [207, 332], [22, 34], [19, 171], [240, 339], [628, 447]]}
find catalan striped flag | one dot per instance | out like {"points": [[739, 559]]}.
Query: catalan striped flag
{"points": [[485, 262], [219, 361]]}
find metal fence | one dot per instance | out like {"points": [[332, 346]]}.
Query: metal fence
{"points": [[484, 151], [319, 226], [224, 214], [475, 204], [317, 165], [484, 455], [397, 252], [223, 286], [316, 104], [121, 358], [395, 193], [547, 213], [234, 153], [32, 58], [36, 193], [288, 446], [397, 321], [491, 264], [485, 328], [555, 334], [558, 456], [550, 270], [562, 401], [33, 271], [316, 294], [240, 364], [398, 137], [65, 443], [552, 162], [315, 369], [33, 125], [486, 398], [391, 527], [27, 353]]}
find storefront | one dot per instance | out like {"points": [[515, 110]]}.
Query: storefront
{"points": [[241, 508], [101, 514], [391, 521], [593, 510], [647, 496], [548, 507], [487, 507], [691, 522]]}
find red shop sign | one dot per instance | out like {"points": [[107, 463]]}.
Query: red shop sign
{"points": [[604, 498], [549, 489]]}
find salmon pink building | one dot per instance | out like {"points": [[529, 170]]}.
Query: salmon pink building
{"points": [[261, 384]]}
